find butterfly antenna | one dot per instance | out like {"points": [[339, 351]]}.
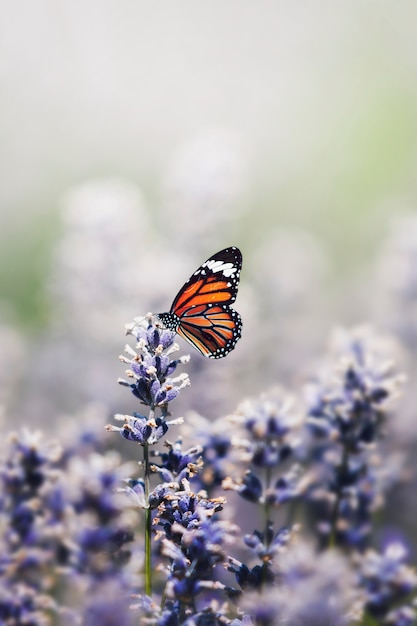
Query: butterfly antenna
{"points": [[138, 321]]}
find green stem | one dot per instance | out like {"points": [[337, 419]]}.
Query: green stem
{"points": [[368, 620], [148, 523]]}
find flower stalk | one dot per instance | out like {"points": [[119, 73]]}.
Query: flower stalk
{"points": [[148, 522], [149, 372]]}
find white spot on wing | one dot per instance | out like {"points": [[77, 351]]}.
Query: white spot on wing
{"points": [[227, 269]]}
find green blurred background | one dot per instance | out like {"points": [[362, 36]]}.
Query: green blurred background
{"points": [[320, 96]]}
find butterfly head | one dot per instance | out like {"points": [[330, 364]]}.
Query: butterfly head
{"points": [[169, 320]]}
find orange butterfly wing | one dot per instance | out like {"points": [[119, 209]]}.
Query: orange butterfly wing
{"points": [[213, 330]]}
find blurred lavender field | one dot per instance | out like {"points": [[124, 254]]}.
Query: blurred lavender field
{"points": [[136, 141]]}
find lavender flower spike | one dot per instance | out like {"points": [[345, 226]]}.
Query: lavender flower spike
{"points": [[150, 365], [142, 430], [150, 370]]}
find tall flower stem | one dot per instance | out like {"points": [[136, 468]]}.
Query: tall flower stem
{"points": [[148, 521], [150, 378]]}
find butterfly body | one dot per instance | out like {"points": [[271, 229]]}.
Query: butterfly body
{"points": [[201, 311]]}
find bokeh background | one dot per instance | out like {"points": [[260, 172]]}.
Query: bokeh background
{"points": [[137, 139]]}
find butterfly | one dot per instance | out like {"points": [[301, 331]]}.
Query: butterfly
{"points": [[201, 312]]}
